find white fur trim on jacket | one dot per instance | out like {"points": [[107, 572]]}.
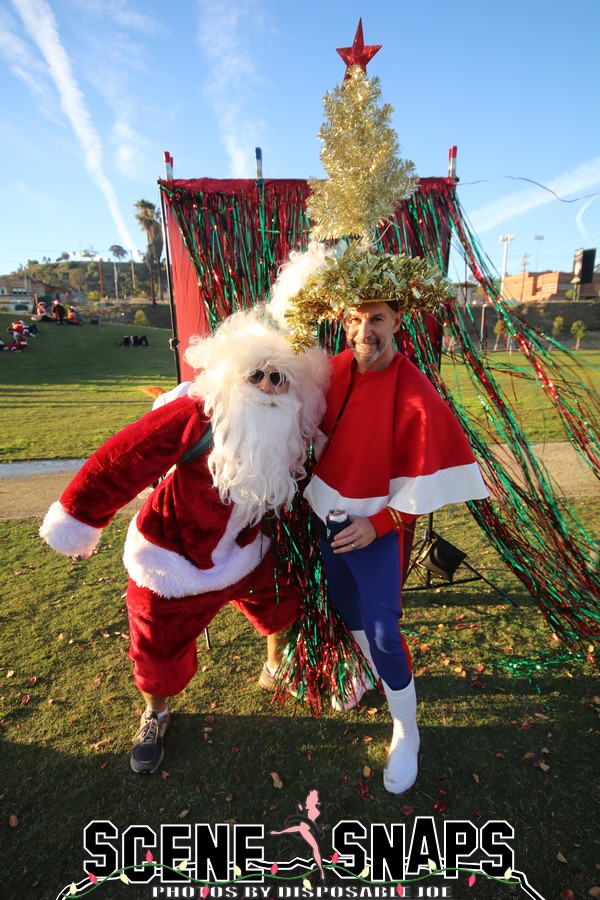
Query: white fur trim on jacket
{"points": [[171, 575], [417, 495], [68, 535]]}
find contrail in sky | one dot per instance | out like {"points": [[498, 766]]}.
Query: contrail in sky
{"points": [[40, 24], [518, 203], [225, 29]]}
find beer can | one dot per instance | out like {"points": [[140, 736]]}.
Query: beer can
{"points": [[337, 520]]}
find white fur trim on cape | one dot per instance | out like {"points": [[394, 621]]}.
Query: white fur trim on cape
{"points": [[171, 575], [417, 496], [68, 535]]}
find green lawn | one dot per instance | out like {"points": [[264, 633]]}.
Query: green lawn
{"points": [[75, 387], [509, 726], [509, 720]]}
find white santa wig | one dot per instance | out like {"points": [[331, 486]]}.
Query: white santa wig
{"points": [[292, 275], [250, 340]]}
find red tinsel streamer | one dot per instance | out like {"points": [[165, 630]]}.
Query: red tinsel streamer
{"points": [[238, 232], [321, 656]]}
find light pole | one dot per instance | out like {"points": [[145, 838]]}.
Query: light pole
{"points": [[505, 239], [538, 238]]}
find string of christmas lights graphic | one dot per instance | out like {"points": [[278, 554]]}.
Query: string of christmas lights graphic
{"points": [[91, 883]]}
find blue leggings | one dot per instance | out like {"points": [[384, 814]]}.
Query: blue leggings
{"points": [[365, 586]]}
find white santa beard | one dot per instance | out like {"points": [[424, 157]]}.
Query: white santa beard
{"points": [[257, 446]]}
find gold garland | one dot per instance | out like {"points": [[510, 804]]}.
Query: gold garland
{"points": [[366, 177], [365, 180]]}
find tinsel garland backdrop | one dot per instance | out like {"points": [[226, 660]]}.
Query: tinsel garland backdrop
{"points": [[237, 233]]}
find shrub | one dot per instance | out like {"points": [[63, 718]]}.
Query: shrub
{"points": [[141, 319]]}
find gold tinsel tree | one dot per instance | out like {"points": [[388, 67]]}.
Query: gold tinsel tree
{"points": [[360, 153]]}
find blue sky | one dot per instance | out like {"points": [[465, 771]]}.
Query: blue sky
{"points": [[93, 91]]}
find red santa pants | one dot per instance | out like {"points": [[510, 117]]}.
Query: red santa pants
{"points": [[163, 630]]}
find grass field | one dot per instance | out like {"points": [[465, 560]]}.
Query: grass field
{"points": [[70, 374], [509, 720], [75, 387]]}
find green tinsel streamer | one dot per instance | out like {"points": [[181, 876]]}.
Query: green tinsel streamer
{"points": [[321, 656], [535, 531], [236, 241]]}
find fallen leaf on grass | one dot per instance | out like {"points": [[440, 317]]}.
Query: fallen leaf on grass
{"points": [[367, 771], [475, 777], [183, 814], [367, 739], [372, 711], [594, 891], [164, 775], [13, 821], [277, 782], [567, 894], [407, 810], [363, 791], [560, 857]]}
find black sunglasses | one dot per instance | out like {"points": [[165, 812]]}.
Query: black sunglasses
{"points": [[277, 379]]}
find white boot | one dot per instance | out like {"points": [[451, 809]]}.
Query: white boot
{"points": [[358, 686], [402, 763]]}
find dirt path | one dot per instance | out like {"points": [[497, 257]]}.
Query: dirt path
{"points": [[27, 489]]}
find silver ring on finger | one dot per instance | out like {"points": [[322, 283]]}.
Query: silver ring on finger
{"points": [[353, 545]]}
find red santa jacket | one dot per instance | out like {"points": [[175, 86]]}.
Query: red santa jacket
{"points": [[184, 540], [392, 441]]}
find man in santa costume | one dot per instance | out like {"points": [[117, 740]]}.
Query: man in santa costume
{"points": [[394, 451], [233, 447]]}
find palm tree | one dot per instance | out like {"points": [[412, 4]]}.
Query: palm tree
{"points": [[149, 221]]}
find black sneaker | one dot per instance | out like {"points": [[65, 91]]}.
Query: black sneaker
{"points": [[147, 752]]}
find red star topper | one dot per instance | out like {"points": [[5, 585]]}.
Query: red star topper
{"points": [[358, 54]]}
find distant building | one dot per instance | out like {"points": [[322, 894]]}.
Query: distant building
{"points": [[18, 293], [537, 286]]}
